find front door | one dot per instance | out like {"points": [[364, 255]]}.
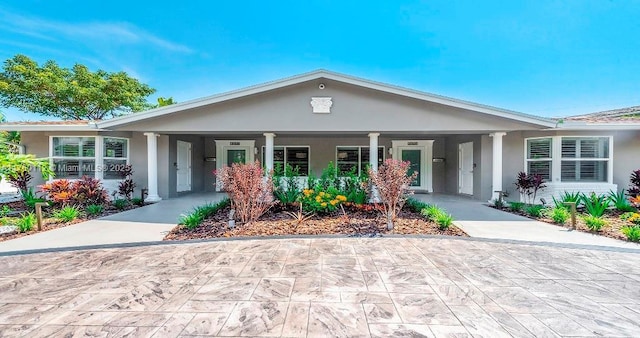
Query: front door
{"points": [[415, 157], [465, 168], [236, 155], [183, 166], [419, 154]]}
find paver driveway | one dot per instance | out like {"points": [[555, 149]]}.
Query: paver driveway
{"points": [[323, 287]]}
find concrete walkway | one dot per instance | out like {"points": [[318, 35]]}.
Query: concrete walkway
{"points": [[481, 221], [323, 287], [147, 224]]}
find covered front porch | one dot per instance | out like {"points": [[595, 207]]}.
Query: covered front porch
{"points": [[447, 163]]}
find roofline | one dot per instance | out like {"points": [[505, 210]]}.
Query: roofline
{"points": [[49, 127], [489, 110], [598, 126]]}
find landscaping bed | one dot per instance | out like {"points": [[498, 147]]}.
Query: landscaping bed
{"points": [[355, 221]]}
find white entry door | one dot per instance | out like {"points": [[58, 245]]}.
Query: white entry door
{"points": [[465, 168], [183, 166], [419, 154]]}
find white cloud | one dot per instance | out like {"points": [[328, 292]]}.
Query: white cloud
{"points": [[120, 32]]}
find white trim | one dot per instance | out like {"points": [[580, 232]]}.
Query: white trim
{"points": [[221, 153], [189, 165], [426, 146], [461, 157], [323, 74], [359, 154], [263, 154], [94, 157], [49, 127], [102, 157]]}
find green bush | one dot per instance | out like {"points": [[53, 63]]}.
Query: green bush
{"points": [[416, 205], [627, 215], [595, 205], [355, 186], [432, 212], [120, 203], [620, 201], [632, 233], [137, 201], [26, 222], [534, 210], [5, 211], [444, 220], [67, 214], [516, 206], [286, 187], [193, 219], [594, 223], [568, 197], [94, 209], [30, 198], [559, 215]]}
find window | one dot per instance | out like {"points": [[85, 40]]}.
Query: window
{"points": [[73, 157], [115, 156], [348, 158], [585, 159], [100, 157], [295, 156], [569, 159], [539, 157]]}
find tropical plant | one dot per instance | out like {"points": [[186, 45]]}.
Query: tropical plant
{"points": [[67, 213], [328, 179], [286, 187], [594, 223], [528, 186], [567, 197], [26, 222], [635, 201], [534, 210], [126, 187], [416, 205], [19, 179], [69, 94], [30, 199], [635, 218], [516, 206], [634, 187], [94, 209], [392, 182], [321, 201], [137, 201], [300, 216], [13, 164], [250, 193], [88, 190], [120, 203], [558, 215], [632, 233], [595, 205], [193, 219], [444, 221], [620, 201], [627, 215], [5, 211]]}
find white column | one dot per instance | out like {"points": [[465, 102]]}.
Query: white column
{"points": [[268, 151], [497, 165], [152, 167], [373, 151]]}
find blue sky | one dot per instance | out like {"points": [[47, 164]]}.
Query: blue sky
{"points": [[549, 58]]}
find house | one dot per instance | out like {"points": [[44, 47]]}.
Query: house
{"points": [[458, 147]]}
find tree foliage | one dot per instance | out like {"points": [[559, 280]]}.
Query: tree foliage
{"points": [[9, 140], [13, 164], [69, 93], [165, 101]]}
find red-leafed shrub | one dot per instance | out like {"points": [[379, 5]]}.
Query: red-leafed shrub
{"points": [[127, 186], [250, 192], [634, 187], [392, 181], [84, 191]]}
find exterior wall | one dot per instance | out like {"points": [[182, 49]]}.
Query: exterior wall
{"points": [[197, 164], [626, 157], [451, 164], [354, 108]]}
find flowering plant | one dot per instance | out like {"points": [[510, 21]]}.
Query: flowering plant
{"points": [[322, 201]]}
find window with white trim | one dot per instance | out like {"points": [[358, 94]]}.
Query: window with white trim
{"points": [[585, 159], [350, 157], [73, 157], [115, 157], [569, 159], [539, 157], [295, 156]]}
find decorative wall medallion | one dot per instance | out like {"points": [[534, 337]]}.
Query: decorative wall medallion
{"points": [[321, 105]]}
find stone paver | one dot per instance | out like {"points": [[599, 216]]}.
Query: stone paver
{"points": [[324, 287]]}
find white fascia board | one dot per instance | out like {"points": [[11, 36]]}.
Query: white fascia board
{"points": [[41, 127], [331, 76], [600, 126]]}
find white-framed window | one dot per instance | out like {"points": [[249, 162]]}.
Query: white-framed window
{"points": [[581, 159], [295, 156], [72, 157], [350, 157]]}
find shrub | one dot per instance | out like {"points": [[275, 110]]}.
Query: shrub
{"points": [[620, 201], [321, 201], [635, 218], [250, 193], [94, 209], [286, 187], [627, 215], [328, 180], [534, 210], [19, 179], [431, 212], [632, 233], [559, 215], [120, 203], [528, 185], [444, 221], [416, 205], [567, 197], [67, 214], [137, 201], [89, 190], [594, 223], [595, 205], [516, 206], [26, 222], [127, 186], [392, 183], [5, 211], [30, 198], [355, 186], [59, 192], [193, 219], [634, 187]]}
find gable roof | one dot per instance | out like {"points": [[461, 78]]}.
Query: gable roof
{"points": [[324, 74], [628, 114]]}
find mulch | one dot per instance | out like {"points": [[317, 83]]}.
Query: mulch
{"points": [[277, 223]]}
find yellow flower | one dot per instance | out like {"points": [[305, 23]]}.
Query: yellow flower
{"points": [[323, 204], [341, 198], [321, 193], [333, 202]]}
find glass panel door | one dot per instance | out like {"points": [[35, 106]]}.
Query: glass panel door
{"points": [[236, 156], [414, 156]]}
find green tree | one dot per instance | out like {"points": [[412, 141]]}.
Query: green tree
{"points": [[11, 164], [162, 101], [9, 140], [69, 93]]}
